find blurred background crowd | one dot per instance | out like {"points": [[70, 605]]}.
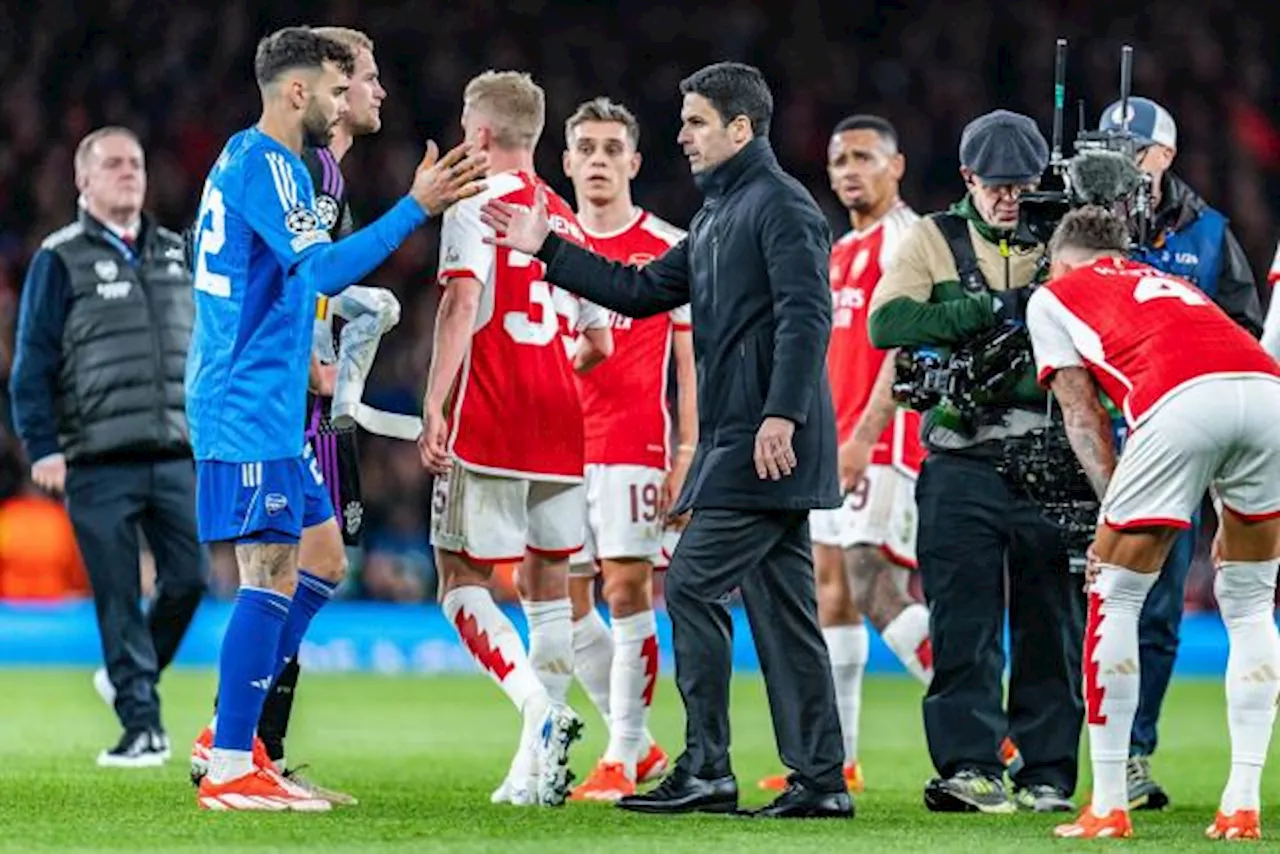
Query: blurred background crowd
{"points": [[180, 74]]}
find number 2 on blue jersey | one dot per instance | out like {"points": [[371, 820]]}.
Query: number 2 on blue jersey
{"points": [[209, 242]]}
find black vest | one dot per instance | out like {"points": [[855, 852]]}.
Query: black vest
{"points": [[121, 393]]}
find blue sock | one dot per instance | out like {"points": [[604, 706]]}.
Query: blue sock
{"points": [[312, 594], [247, 664]]}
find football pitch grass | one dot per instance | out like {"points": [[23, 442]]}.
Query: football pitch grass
{"points": [[423, 753]]}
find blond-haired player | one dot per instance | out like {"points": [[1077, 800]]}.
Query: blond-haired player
{"points": [[500, 359]]}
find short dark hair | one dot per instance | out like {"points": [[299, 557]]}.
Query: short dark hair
{"points": [[734, 89], [865, 121], [1090, 229], [298, 47], [601, 109]]}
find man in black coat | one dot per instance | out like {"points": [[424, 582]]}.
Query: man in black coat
{"points": [[754, 268]]}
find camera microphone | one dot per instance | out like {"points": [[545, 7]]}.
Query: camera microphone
{"points": [[1101, 177]]}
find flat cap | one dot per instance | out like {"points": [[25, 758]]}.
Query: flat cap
{"points": [[1003, 147]]}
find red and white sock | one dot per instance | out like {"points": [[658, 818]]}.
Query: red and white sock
{"points": [[631, 684], [493, 643], [1111, 678], [1246, 595], [848, 647], [593, 659], [907, 635], [551, 645]]}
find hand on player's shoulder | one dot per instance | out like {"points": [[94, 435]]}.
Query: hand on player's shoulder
{"points": [[441, 181]]}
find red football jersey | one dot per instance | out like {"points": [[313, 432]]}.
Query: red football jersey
{"points": [[1141, 333], [857, 261], [1273, 276], [624, 398], [515, 409]]}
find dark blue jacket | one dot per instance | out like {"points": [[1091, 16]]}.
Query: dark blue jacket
{"points": [[754, 269], [1193, 241]]}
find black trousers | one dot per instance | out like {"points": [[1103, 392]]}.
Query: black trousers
{"points": [[974, 534], [108, 503], [768, 556]]}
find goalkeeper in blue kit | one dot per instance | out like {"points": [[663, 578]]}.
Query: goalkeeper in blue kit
{"points": [[261, 256]]}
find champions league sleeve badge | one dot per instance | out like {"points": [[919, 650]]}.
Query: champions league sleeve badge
{"points": [[327, 210]]}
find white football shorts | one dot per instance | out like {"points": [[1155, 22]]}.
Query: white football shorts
{"points": [[1219, 433], [880, 512], [489, 518], [622, 518]]}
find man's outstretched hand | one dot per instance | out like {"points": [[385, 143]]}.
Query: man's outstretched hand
{"points": [[517, 227], [458, 175]]}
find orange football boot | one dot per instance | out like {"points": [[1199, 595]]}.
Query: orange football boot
{"points": [[259, 790], [1241, 824], [608, 782], [1114, 825], [653, 765], [202, 755], [852, 778]]}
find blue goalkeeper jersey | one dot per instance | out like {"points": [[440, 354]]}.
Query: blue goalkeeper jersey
{"points": [[261, 254]]}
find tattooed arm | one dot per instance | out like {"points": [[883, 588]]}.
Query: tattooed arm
{"points": [[1088, 425]]}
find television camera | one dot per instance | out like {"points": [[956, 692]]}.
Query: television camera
{"points": [[1103, 170]]}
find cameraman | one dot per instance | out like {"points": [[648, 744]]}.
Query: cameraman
{"points": [[1191, 240], [956, 275]]}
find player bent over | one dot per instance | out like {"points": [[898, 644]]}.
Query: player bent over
{"points": [[261, 256], [1202, 400], [629, 484], [502, 432]]}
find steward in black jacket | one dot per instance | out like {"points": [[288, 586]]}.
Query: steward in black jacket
{"points": [[98, 397]]}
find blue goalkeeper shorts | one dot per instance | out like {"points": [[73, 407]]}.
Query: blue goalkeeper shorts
{"points": [[266, 502]]}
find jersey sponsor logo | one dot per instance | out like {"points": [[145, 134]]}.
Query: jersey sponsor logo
{"points": [[844, 302], [106, 269], [327, 210], [275, 502], [114, 290], [563, 225], [639, 259]]}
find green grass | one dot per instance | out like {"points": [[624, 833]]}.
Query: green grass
{"points": [[423, 754]]}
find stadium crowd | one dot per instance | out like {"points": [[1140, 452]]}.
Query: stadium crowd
{"points": [[177, 74]]}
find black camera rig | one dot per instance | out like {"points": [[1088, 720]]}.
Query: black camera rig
{"points": [[1103, 171], [981, 372], [1042, 466], [979, 375]]}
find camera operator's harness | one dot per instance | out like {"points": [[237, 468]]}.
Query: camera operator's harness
{"points": [[1039, 465]]}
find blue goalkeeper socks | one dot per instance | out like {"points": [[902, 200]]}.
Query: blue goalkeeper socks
{"points": [[312, 594], [247, 665]]}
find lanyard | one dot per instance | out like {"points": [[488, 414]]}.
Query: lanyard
{"points": [[130, 255]]}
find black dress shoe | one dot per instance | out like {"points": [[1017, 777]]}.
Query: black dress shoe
{"points": [[800, 801], [681, 792]]}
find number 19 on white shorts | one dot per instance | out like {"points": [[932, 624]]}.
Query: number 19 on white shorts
{"points": [[622, 514]]}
